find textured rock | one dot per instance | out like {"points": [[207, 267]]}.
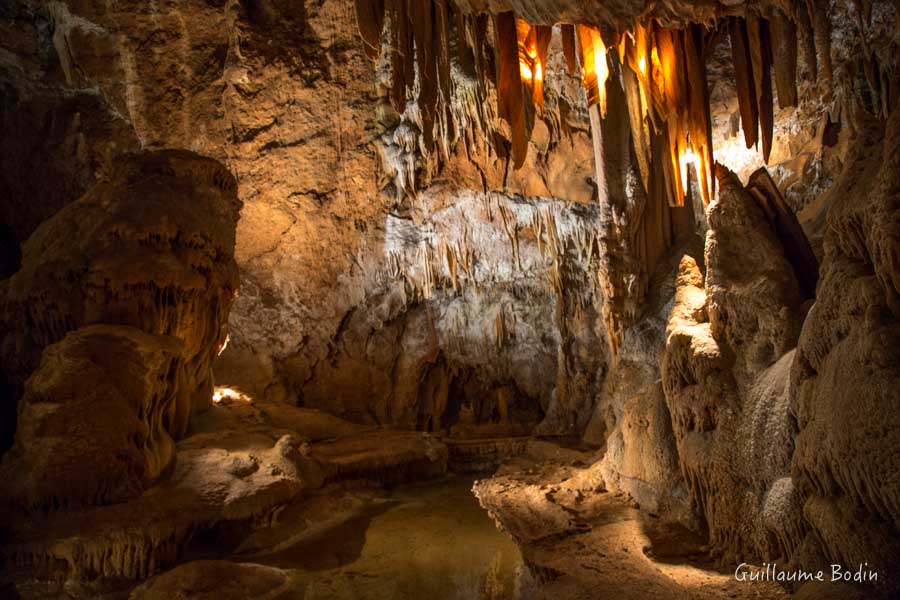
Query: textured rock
{"points": [[151, 246], [217, 480], [845, 375], [725, 374], [632, 419], [579, 541], [245, 464], [93, 420]]}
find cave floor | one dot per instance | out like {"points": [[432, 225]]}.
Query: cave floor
{"points": [[433, 540], [371, 514]]}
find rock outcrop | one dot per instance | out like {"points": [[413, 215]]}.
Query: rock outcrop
{"points": [[725, 375], [845, 377], [151, 246], [94, 423], [245, 464]]}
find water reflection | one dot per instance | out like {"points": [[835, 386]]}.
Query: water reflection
{"points": [[428, 541]]}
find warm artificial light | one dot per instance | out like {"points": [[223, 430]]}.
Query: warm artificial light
{"points": [[221, 394], [688, 158], [642, 65], [525, 71]]}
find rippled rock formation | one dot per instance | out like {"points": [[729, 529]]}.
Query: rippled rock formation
{"points": [[462, 228], [151, 246], [845, 374], [94, 423]]}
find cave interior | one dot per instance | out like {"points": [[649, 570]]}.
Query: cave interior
{"points": [[475, 299]]}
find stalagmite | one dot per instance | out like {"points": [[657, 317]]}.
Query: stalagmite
{"points": [[743, 79], [784, 49], [761, 58]]}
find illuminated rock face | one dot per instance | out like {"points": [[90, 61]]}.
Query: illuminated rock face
{"points": [[725, 374], [398, 270]]}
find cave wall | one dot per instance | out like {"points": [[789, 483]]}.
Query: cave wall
{"points": [[434, 286], [335, 302], [845, 373]]}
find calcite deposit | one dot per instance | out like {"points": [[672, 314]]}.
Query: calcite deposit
{"points": [[448, 298]]}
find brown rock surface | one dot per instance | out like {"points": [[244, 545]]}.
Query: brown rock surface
{"points": [[150, 247], [227, 480], [93, 420], [216, 580], [845, 376], [725, 375], [580, 541]]}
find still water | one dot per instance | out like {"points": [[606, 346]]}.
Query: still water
{"points": [[428, 541]]}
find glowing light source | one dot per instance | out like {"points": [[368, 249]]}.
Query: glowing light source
{"points": [[525, 71], [688, 158], [222, 394], [601, 67], [595, 67], [642, 65]]}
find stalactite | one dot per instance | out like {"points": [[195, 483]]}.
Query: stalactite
{"points": [[543, 35], [511, 227], [818, 10], [592, 52], [567, 32], [699, 124], [442, 18], [639, 134], [664, 79], [421, 19], [808, 41], [743, 79], [500, 332], [514, 105], [761, 59], [370, 20], [670, 48], [784, 49]]}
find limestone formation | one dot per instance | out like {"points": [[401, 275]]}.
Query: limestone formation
{"points": [[845, 374], [95, 420], [725, 376], [277, 274], [151, 246]]}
